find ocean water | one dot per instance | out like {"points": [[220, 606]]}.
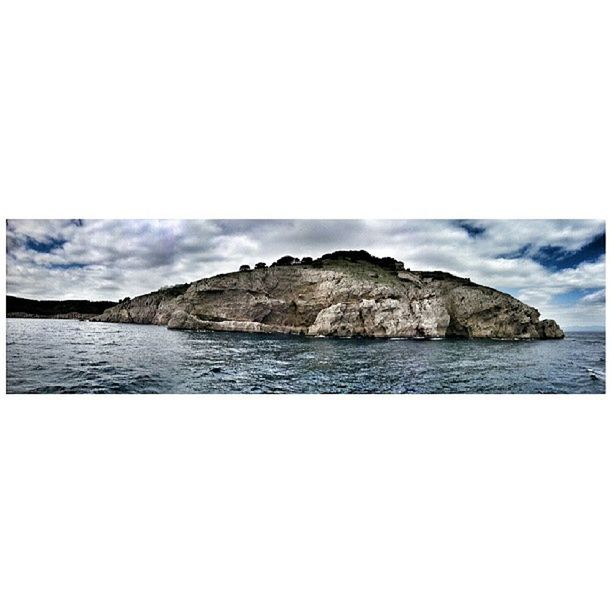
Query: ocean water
{"points": [[67, 356]]}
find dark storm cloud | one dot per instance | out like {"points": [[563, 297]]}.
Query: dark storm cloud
{"points": [[536, 260]]}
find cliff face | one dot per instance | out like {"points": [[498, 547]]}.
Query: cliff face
{"points": [[338, 298]]}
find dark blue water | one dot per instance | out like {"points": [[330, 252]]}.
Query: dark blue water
{"points": [[66, 356]]}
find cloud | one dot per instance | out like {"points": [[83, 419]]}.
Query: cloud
{"points": [[110, 259], [597, 297]]}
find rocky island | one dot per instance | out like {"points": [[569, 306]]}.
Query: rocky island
{"points": [[345, 293]]}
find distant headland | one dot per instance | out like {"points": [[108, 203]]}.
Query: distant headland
{"points": [[17, 307]]}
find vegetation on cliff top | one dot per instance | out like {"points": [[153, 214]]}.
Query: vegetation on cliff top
{"points": [[358, 257]]}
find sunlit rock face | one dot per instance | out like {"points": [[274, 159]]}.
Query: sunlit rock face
{"points": [[339, 297]]}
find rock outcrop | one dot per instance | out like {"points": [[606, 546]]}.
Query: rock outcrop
{"points": [[339, 296]]}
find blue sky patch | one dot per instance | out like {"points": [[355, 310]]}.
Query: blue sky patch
{"points": [[67, 266], [571, 297], [518, 254], [472, 229], [45, 246], [557, 258]]}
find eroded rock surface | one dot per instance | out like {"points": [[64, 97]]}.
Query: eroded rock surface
{"points": [[338, 298]]}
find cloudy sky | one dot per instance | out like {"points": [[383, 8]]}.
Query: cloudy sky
{"points": [[555, 265]]}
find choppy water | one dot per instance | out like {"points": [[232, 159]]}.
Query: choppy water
{"points": [[67, 356]]}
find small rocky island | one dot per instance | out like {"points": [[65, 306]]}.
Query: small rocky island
{"points": [[345, 293]]}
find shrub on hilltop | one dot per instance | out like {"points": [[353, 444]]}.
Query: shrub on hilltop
{"points": [[387, 263], [287, 260]]}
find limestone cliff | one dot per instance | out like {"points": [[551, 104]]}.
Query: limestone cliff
{"points": [[339, 297]]}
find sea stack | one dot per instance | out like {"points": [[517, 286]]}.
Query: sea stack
{"points": [[345, 293]]}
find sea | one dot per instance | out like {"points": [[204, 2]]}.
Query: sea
{"points": [[70, 356]]}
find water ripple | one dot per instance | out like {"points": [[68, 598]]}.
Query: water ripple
{"points": [[65, 356]]}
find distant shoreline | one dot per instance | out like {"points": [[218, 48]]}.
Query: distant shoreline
{"points": [[24, 308], [68, 315]]}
